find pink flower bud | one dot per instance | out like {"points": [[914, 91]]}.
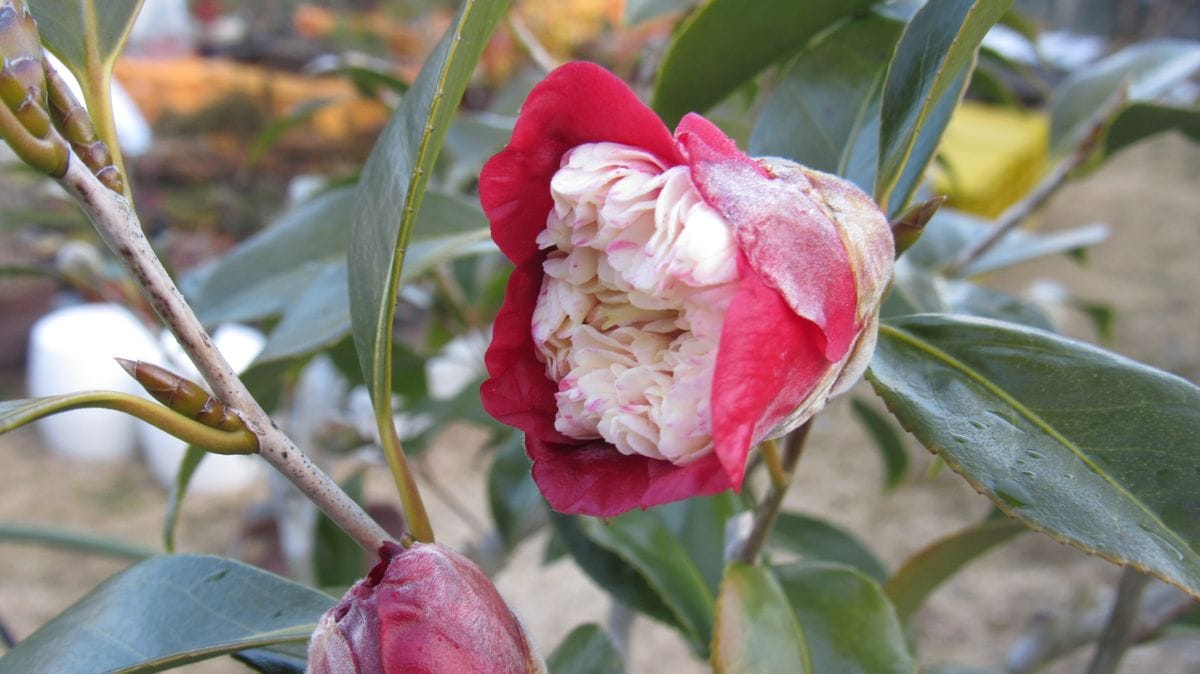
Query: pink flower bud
{"points": [[424, 610], [674, 301]]}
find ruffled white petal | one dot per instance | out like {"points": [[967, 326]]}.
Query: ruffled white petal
{"points": [[638, 278]]}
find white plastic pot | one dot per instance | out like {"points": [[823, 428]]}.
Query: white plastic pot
{"points": [[72, 349]]}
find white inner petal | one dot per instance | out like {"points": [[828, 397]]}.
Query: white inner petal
{"points": [[638, 279]]}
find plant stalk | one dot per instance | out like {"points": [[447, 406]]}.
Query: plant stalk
{"points": [[768, 509], [1118, 635], [120, 228]]}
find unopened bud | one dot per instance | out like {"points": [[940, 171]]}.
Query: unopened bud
{"points": [[425, 609], [24, 111]]}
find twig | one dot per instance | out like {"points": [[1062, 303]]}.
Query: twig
{"points": [[120, 228], [1118, 632], [768, 509], [1017, 213], [1048, 638], [530, 43]]}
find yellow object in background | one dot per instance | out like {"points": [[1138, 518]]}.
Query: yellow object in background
{"points": [[990, 157]]}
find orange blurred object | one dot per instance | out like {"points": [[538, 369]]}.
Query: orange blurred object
{"points": [[186, 85]]}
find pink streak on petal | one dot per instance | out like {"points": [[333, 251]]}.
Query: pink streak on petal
{"points": [[788, 240], [769, 361]]}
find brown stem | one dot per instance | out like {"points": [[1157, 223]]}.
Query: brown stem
{"points": [[1118, 631], [120, 228], [1017, 213], [768, 510]]}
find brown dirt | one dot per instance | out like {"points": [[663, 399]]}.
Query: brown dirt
{"points": [[1148, 271]]}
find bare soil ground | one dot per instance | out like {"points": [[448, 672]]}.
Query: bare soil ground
{"points": [[1149, 271]]}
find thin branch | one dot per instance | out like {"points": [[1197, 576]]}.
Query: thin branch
{"points": [[768, 509], [1018, 212], [1118, 633], [529, 42], [120, 228]]}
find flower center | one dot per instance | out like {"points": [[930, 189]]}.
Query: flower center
{"points": [[637, 281]]}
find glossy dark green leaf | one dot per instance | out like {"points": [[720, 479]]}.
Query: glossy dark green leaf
{"points": [[1085, 445], [887, 440], [922, 573], [936, 48], [517, 506], [586, 650], [824, 112], [757, 632], [929, 136], [816, 539], [1146, 71], [80, 541], [619, 578], [85, 34], [644, 542], [725, 43], [391, 190], [1140, 121], [848, 622], [187, 468], [699, 524], [337, 559], [166, 612]]}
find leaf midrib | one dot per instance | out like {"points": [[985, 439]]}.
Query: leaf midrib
{"points": [[1031, 416]]}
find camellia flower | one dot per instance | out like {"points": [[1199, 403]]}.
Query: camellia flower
{"points": [[424, 610], [674, 301]]}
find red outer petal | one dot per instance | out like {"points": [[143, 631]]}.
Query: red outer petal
{"points": [[768, 362], [595, 479], [789, 241], [576, 104]]}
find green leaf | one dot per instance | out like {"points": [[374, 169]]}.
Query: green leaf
{"points": [[187, 468], [1147, 70], [922, 573], [756, 630], [317, 318], [1085, 445], [816, 539], [638, 11], [642, 540], [620, 579], [586, 650], [265, 273], [929, 136], [950, 231], [824, 113], [1142, 120], [698, 523], [848, 622], [337, 559], [516, 504], [937, 47], [85, 34], [43, 534], [166, 612], [725, 43], [887, 440], [389, 196]]}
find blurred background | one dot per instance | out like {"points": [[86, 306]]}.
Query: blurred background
{"points": [[239, 117]]}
